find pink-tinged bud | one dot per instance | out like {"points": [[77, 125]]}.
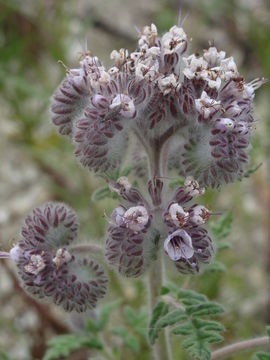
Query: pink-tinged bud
{"points": [[15, 253], [178, 245], [224, 124], [117, 216], [101, 103], [125, 105]]}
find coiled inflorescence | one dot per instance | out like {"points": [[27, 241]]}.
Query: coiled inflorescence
{"points": [[158, 91], [137, 229], [46, 266]]}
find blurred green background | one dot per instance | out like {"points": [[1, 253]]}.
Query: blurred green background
{"points": [[37, 165]]}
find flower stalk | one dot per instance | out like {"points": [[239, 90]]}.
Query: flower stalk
{"points": [[240, 346]]}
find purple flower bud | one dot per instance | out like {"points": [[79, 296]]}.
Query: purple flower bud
{"points": [[46, 267], [131, 242], [188, 243]]}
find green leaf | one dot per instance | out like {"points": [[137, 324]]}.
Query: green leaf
{"points": [[209, 308], [171, 318], [160, 310], [222, 228], [63, 345], [190, 297], [263, 355], [197, 349], [99, 323], [183, 329], [268, 330], [208, 325], [102, 193], [215, 266], [137, 320], [105, 312], [126, 171], [129, 341], [197, 331]]}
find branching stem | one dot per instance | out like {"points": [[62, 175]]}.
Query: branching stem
{"points": [[240, 346], [162, 347]]}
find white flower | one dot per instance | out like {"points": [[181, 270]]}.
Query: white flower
{"points": [[205, 105], [178, 245], [177, 214], [35, 265], [199, 215], [175, 40], [167, 83], [213, 57], [119, 57], [228, 68], [194, 65], [136, 218], [193, 187], [148, 36]]}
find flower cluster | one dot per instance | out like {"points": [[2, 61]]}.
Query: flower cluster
{"points": [[46, 266], [188, 243], [135, 232], [159, 91]]}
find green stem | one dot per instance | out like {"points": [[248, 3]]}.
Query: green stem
{"points": [[161, 348], [240, 346]]}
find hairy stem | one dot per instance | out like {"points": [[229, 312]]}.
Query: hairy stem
{"points": [[161, 348], [240, 346]]}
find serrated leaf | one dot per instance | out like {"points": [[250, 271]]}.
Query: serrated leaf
{"points": [[98, 324], [210, 337], [183, 329], [126, 171], [222, 228], [102, 193], [171, 318], [160, 310], [129, 341], [198, 350], [169, 288], [223, 245], [209, 308], [190, 295], [131, 316], [215, 266], [263, 355], [137, 320], [63, 345], [208, 325]]}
